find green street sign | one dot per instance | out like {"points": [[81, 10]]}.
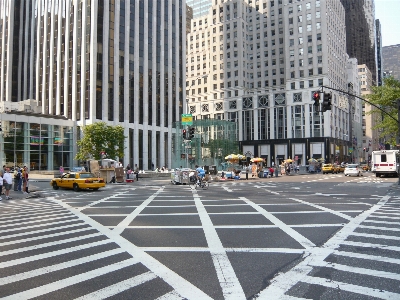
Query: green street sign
{"points": [[187, 119]]}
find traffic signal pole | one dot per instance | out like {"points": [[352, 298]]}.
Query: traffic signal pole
{"points": [[348, 94]]}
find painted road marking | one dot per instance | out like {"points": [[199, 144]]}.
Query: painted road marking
{"points": [[306, 243], [231, 287], [119, 287], [181, 285], [283, 282]]}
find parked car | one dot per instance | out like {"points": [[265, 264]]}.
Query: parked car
{"points": [[353, 170], [77, 181], [329, 168]]}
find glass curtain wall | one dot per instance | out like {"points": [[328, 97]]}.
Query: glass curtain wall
{"points": [[37, 146]]}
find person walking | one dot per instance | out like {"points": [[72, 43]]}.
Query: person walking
{"points": [[247, 171], [7, 182], [20, 180], [1, 185], [137, 172], [16, 178], [61, 171], [127, 171], [25, 180]]}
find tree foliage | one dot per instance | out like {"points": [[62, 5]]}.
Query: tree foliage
{"points": [[385, 97], [101, 138]]}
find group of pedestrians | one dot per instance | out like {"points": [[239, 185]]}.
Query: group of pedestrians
{"points": [[20, 181], [129, 171]]}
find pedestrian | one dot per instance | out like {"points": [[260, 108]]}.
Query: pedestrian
{"points": [[271, 171], [20, 180], [61, 171], [7, 182], [25, 179], [1, 185], [247, 172], [137, 172], [16, 178], [127, 169]]}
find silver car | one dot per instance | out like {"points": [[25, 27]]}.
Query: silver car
{"points": [[353, 170]]}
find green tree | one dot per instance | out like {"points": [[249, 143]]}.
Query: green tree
{"points": [[385, 97], [101, 138]]}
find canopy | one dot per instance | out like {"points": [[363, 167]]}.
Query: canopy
{"points": [[257, 159], [234, 157]]}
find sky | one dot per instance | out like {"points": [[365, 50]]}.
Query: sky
{"points": [[388, 13]]}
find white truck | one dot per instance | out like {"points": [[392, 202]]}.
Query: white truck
{"points": [[385, 163]]}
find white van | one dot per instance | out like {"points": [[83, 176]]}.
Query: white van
{"points": [[385, 162]]}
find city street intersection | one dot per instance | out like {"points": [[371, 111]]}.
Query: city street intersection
{"points": [[308, 236]]}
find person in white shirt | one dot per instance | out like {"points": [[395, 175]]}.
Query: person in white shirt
{"points": [[7, 182]]}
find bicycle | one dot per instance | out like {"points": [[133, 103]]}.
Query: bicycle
{"points": [[198, 182]]}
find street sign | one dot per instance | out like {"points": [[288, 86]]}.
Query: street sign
{"points": [[187, 119]]}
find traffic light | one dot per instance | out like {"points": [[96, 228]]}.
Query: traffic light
{"points": [[316, 97], [184, 134], [191, 133], [327, 101]]}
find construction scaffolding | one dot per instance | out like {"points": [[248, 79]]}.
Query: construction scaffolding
{"points": [[213, 140]]}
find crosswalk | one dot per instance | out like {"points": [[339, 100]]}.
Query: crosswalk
{"points": [[348, 266], [53, 247], [49, 250]]}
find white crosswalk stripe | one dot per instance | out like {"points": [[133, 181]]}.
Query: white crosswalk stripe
{"points": [[303, 273], [45, 230]]}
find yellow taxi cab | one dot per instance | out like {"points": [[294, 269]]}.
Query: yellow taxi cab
{"points": [[77, 181], [340, 168], [329, 168]]}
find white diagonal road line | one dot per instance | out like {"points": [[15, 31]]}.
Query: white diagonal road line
{"points": [[306, 243], [181, 285], [231, 287], [283, 282]]}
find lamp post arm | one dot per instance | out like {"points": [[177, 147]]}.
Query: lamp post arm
{"points": [[347, 93]]}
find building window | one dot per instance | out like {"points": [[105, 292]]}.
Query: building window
{"points": [[301, 84], [297, 97]]}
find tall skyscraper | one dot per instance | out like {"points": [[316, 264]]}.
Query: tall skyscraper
{"points": [[200, 7], [391, 61], [118, 61], [262, 61], [360, 32], [379, 58]]}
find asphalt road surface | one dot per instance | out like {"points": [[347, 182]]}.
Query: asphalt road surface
{"points": [[307, 236]]}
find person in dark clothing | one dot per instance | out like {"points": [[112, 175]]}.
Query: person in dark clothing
{"points": [[137, 172]]}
